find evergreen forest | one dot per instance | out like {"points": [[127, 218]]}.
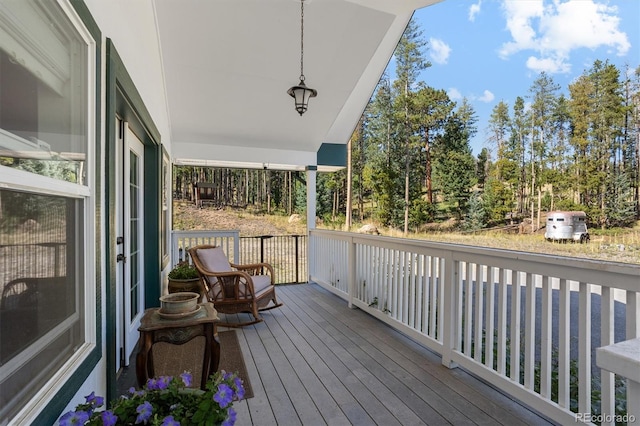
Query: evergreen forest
{"points": [[410, 161]]}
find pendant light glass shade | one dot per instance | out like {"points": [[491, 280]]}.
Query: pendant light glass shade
{"points": [[301, 94]]}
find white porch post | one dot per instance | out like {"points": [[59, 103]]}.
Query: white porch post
{"points": [[311, 172], [452, 311], [311, 196]]}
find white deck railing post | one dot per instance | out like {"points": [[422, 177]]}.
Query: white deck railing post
{"points": [[450, 340], [351, 271]]}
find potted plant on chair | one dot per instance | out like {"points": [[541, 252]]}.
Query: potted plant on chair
{"points": [[184, 277]]}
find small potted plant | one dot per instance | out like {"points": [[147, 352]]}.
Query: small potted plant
{"points": [[184, 277]]}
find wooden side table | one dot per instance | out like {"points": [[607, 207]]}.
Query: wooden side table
{"points": [[155, 328]]}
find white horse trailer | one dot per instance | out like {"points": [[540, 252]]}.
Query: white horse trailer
{"points": [[564, 226]]}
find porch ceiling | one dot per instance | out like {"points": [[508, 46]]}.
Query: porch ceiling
{"points": [[228, 65]]}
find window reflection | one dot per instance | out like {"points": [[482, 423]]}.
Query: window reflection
{"points": [[41, 315], [43, 109]]}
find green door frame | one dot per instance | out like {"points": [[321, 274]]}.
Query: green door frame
{"points": [[124, 100]]}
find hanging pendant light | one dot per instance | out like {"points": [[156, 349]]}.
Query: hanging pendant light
{"points": [[301, 93]]}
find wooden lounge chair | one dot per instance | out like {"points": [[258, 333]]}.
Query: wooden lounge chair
{"points": [[235, 288]]}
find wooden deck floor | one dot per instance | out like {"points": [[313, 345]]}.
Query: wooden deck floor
{"points": [[315, 362]]}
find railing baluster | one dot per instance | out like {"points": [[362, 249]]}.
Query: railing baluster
{"points": [[607, 379], [435, 309], [530, 332], [479, 305], [415, 301], [297, 256], [489, 315], [545, 339], [424, 294], [502, 322], [584, 349], [564, 338], [633, 331], [514, 347], [468, 306], [386, 282], [405, 289]]}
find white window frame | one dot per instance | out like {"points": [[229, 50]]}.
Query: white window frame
{"points": [[28, 182]]}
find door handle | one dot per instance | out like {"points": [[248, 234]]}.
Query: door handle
{"points": [[121, 258]]}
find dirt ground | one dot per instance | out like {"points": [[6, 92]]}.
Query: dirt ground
{"points": [[186, 216], [617, 247]]}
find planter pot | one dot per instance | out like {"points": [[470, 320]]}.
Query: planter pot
{"points": [[192, 285]]}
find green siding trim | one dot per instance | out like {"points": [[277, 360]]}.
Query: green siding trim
{"points": [[152, 228], [52, 411], [110, 222], [124, 100], [332, 154]]}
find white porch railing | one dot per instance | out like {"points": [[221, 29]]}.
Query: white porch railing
{"points": [[181, 241], [527, 323]]}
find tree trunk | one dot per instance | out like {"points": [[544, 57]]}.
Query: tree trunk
{"points": [[539, 207], [267, 190], [407, 163], [428, 171], [407, 170]]}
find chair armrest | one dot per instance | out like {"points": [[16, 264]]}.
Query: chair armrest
{"points": [[224, 276], [256, 269]]}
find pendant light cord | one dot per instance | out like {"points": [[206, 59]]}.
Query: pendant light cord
{"points": [[301, 40]]}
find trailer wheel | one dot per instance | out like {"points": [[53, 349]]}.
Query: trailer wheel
{"points": [[584, 239]]}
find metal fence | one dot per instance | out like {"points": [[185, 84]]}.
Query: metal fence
{"points": [[286, 253]]}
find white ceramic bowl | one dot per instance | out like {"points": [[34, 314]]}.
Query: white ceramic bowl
{"points": [[179, 303]]}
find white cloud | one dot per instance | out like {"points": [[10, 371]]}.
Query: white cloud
{"points": [[454, 94], [548, 65], [474, 9], [439, 51], [554, 29], [487, 97], [519, 15]]}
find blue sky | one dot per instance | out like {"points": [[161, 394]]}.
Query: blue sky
{"points": [[493, 50]]}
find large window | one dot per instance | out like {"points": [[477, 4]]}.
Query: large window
{"points": [[47, 304]]}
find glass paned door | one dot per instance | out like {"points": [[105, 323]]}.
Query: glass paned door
{"points": [[130, 285]]}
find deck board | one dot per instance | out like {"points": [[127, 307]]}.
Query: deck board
{"points": [[315, 361]]}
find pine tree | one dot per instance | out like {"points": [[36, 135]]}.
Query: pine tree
{"points": [[410, 61], [476, 217], [454, 165], [520, 129], [499, 123]]}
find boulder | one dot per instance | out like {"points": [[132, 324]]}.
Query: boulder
{"points": [[369, 229], [295, 218]]}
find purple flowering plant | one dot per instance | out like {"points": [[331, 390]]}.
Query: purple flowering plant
{"points": [[164, 401]]}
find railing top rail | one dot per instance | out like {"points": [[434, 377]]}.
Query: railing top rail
{"points": [[225, 233], [273, 236]]}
